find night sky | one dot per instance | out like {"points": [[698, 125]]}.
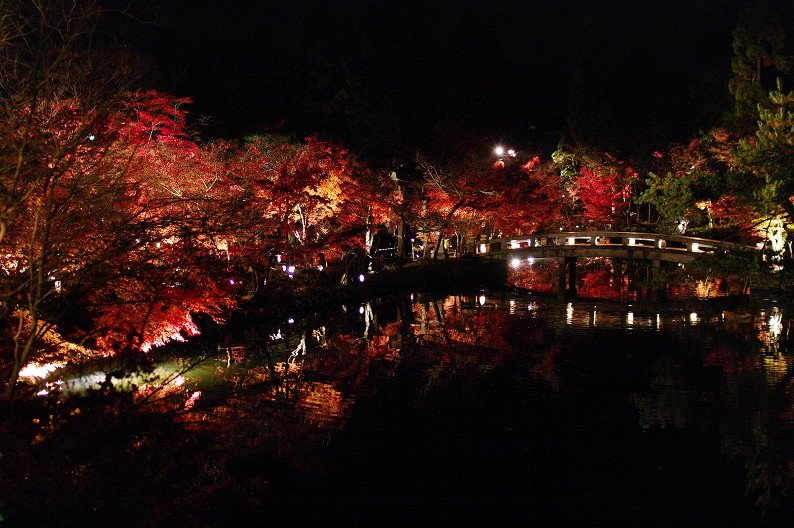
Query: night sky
{"points": [[387, 77]]}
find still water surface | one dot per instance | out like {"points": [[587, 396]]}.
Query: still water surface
{"points": [[504, 409]]}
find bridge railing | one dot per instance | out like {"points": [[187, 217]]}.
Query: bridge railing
{"points": [[607, 239]]}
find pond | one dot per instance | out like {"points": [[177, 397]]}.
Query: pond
{"points": [[503, 408], [494, 407]]}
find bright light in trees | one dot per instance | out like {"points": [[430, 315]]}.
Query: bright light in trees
{"points": [[35, 370], [499, 151], [515, 262], [361, 278]]}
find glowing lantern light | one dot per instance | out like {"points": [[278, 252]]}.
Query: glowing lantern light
{"points": [[361, 278], [515, 262]]}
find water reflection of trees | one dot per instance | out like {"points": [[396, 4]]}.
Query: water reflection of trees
{"points": [[294, 386], [742, 391], [294, 389]]}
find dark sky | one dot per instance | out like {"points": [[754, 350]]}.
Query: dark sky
{"points": [[389, 76]]}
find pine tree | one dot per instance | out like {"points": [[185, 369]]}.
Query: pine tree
{"points": [[758, 41], [764, 164]]}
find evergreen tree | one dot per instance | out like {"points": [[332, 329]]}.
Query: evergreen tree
{"points": [[764, 165], [758, 41]]}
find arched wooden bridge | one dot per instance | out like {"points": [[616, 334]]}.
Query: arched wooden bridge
{"points": [[568, 246]]}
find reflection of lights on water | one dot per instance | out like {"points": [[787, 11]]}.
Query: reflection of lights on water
{"points": [[775, 323], [658, 321], [595, 317], [515, 262], [482, 300], [532, 307], [630, 318], [693, 317], [569, 313], [512, 306]]}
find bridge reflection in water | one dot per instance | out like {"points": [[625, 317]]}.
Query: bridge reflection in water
{"points": [[567, 247]]}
